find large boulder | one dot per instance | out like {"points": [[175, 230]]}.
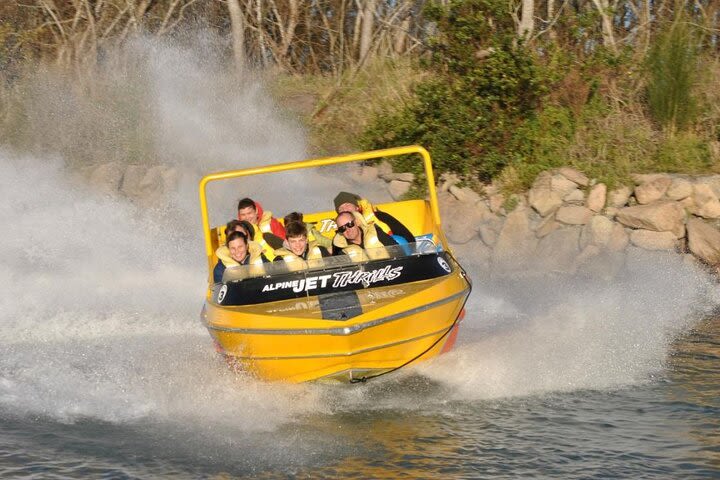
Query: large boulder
{"points": [[547, 225], [574, 176], [573, 215], [651, 240], [679, 189], [462, 221], [132, 180], [496, 202], [516, 243], [596, 197], [447, 180], [490, 229], [703, 241], [575, 197], [384, 168], [619, 239], [398, 188], [171, 178], [619, 197], [595, 263], [664, 216], [403, 177], [464, 194], [713, 181], [147, 185], [557, 251], [652, 190], [705, 202], [153, 183], [560, 184], [542, 197], [597, 232], [107, 177]]}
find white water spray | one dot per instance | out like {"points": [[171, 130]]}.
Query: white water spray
{"points": [[99, 311]]}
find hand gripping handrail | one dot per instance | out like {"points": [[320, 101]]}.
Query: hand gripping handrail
{"points": [[319, 162]]}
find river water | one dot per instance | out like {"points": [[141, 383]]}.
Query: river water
{"points": [[106, 371]]}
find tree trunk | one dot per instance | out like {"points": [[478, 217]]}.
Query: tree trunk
{"points": [[290, 28], [401, 36], [237, 23], [368, 20], [527, 19], [607, 26]]}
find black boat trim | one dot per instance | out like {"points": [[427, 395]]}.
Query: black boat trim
{"points": [[280, 284], [349, 330]]}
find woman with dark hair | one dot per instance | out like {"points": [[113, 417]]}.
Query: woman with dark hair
{"points": [[240, 252]]}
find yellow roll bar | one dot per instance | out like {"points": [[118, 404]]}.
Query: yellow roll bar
{"points": [[319, 162]]}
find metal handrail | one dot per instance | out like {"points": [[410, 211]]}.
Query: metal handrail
{"points": [[319, 162]]}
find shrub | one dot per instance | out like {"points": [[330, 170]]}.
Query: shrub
{"points": [[484, 88]]}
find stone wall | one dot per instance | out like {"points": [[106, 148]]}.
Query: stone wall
{"points": [[566, 223], [571, 224]]}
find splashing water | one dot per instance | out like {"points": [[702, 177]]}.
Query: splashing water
{"points": [[98, 317]]}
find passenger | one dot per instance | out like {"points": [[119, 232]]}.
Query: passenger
{"points": [[298, 249], [251, 211], [349, 202], [358, 239], [241, 252], [313, 234], [223, 253]]}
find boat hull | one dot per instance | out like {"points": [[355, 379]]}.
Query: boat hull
{"points": [[399, 325]]}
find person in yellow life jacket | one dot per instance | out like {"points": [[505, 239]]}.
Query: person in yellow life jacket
{"points": [[350, 202], [297, 250], [240, 254], [313, 234], [223, 253], [358, 239], [252, 211], [267, 231]]}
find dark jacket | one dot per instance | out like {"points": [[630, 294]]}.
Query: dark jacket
{"points": [[396, 228]]}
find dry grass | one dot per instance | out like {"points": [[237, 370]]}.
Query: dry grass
{"points": [[336, 112]]}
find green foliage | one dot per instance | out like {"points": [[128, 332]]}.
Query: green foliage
{"points": [[684, 153], [672, 65], [484, 88]]}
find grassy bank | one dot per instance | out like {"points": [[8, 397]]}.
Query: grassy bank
{"points": [[607, 140]]}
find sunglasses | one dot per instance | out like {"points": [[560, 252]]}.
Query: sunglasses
{"points": [[347, 226]]}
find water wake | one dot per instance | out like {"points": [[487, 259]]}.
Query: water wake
{"points": [[99, 313]]}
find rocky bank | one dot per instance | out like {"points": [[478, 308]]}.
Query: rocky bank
{"points": [[566, 223]]}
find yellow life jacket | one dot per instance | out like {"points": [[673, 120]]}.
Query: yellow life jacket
{"points": [[260, 240], [372, 248], [254, 250], [264, 222], [368, 213], [295, 262], [255, 263], [321, 240]]}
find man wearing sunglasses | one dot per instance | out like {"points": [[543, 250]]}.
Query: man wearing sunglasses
{"points": [[350, 202], [358, 239]]}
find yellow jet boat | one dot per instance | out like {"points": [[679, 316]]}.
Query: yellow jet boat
{"points": [[339, 319]]}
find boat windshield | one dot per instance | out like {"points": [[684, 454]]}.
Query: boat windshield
{"points": [[423, 246]]}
